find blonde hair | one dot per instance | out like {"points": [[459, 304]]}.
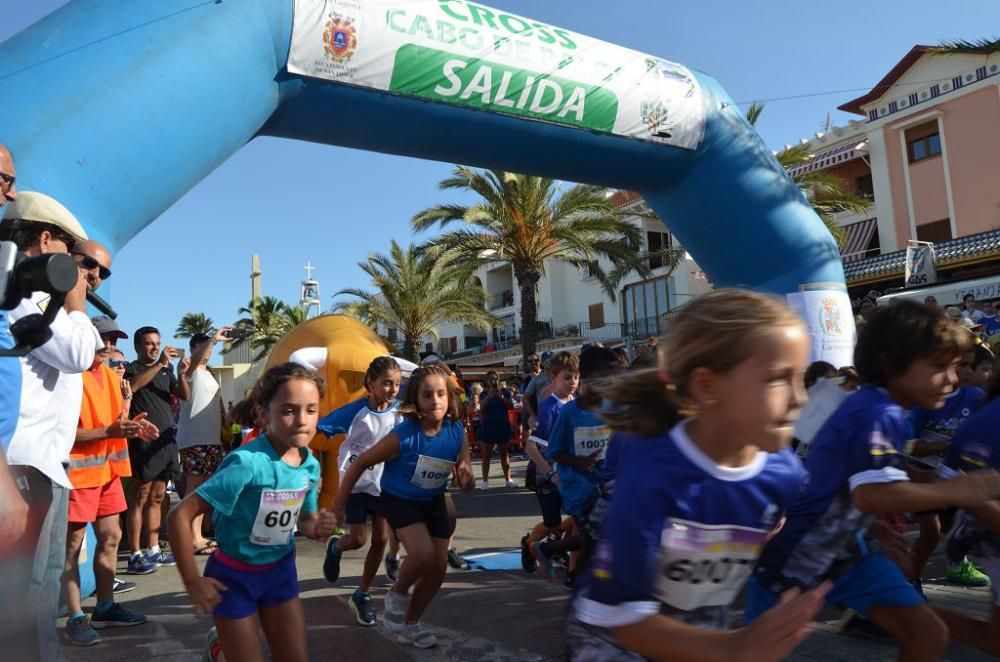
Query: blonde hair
{"points": [[717, 331]]}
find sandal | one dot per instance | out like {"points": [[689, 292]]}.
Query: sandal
{"points": [[207, 550]]}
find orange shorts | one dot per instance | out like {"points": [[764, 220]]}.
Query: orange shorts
{"points": [[92, 503]]}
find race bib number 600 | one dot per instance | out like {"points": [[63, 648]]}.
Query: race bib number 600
{"points": [[276, 516], [704, 565], [432, 473]]}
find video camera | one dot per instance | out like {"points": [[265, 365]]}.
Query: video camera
{"points": [[20, 276]]}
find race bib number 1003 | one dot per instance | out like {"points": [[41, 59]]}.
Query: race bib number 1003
{"points": [[590, 440], [276, 516], [704, 565]]}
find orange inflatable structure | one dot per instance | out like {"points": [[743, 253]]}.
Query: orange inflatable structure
{"points": [[349, 347]]}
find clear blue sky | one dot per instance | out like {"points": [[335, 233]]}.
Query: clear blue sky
{"points": [[265, 198]]}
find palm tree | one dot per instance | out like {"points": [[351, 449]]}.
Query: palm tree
{"points": [[416, 292], [828, 194], [524, 221], [194, 323], [967, 47], [268, 319]]}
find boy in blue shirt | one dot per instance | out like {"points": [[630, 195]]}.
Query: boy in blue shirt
{"points": [[907, 355]]}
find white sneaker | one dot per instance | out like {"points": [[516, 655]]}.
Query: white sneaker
{"points": [[485, 485], [416, 634], [511, 483], [395, 611]]}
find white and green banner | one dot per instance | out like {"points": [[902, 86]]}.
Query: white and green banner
{"points": [[467, 54]]}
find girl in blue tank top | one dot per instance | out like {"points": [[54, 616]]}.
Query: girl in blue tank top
{"points": [[420, 456]]}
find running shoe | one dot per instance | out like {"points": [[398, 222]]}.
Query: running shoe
{"points": [[391, 567], [361, 604], [140, 565], [212, 646], [511, 483], [528, 562], [456, 561], [966, 574], [331, 564], [116, 617], [418, 635], [485, 485], [80, 633], [162, 558], [395, 611], [544, 561], [122, 586]]}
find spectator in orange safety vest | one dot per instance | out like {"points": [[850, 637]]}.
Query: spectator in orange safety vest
{"points": [[98, 461]]}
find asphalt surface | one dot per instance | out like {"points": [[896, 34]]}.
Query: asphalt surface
{"points": [[481, 616]]}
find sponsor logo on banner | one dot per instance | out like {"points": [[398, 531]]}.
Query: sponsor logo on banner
{"points": [[463, 53], [830, 320], [920, 265], [340, 38]]}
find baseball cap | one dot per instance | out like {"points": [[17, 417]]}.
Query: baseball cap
{"points": [[39, 208], [546, 355], [108, 327]]}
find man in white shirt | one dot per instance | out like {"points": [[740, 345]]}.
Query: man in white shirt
{"points": [[51, 392], [199, 426]]}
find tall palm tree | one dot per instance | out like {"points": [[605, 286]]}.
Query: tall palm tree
{"points": [[268, 319], [192, 324], [527, 221], [416, 292], [828, 194]]}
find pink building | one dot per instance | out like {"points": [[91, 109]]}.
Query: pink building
{"points": [[926, 152]]}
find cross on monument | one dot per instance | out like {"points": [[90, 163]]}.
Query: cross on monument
{"points": [[309, 269]]}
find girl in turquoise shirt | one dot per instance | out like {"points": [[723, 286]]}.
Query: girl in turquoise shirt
{"points": [[256, 498]]}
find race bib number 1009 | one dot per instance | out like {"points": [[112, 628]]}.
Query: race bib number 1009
{"points": [[432, 473], [704, 565], [276, 516]]}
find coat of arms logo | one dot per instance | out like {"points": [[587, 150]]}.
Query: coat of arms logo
{"points": [[340, 38]]}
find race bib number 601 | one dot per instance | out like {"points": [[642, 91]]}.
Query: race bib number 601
{"points": [[276, 516], [704, 565]]}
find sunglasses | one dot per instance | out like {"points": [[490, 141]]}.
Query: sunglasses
{"points": [[87, 262], [7, 179], [116, 363]]}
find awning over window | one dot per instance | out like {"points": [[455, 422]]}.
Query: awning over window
{"points": [[829, 158], [859, 235]]}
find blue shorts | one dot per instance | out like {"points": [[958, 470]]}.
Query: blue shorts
{"points": [[874, 581], [248, 589]]}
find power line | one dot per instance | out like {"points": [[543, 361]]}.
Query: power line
{"points": [[882, 88]]}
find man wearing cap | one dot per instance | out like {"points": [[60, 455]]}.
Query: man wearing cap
{"points": [[97, 462], [51, 393], [13, 509]]}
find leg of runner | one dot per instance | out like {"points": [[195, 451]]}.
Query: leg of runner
{"points": [[927, 541], [984, 635], [380, 538], [919, 633], [284, 626], [423, 569], [240, 638]]}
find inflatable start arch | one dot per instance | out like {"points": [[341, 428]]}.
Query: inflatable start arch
{"points": [[154, 95]]}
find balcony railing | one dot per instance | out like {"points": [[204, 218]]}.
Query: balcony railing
{"points": [[500, 300]]}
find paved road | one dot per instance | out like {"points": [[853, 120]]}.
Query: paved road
{"points": [[485, 616]]}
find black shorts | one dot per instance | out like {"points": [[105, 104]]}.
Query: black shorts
{"points": [[155, 460], [360, 505], [551, 504], [402, 513]]}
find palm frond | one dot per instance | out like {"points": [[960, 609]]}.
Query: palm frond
{"points": [[754, 111], [984, 45]]}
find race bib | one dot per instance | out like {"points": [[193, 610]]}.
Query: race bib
{"points": [[276, 516], [354, 451], [587, 441], [703, 565], [431, 473]]}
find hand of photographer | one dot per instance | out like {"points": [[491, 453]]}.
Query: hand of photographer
{"points": [[222, 334], [166, 356], [76, 299]]}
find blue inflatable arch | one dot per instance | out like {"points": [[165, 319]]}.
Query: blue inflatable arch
{"points": [[154, 95]]}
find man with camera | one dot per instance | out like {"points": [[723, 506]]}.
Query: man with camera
{"points": [[13, 509], [154, 463], [51, 392]]}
